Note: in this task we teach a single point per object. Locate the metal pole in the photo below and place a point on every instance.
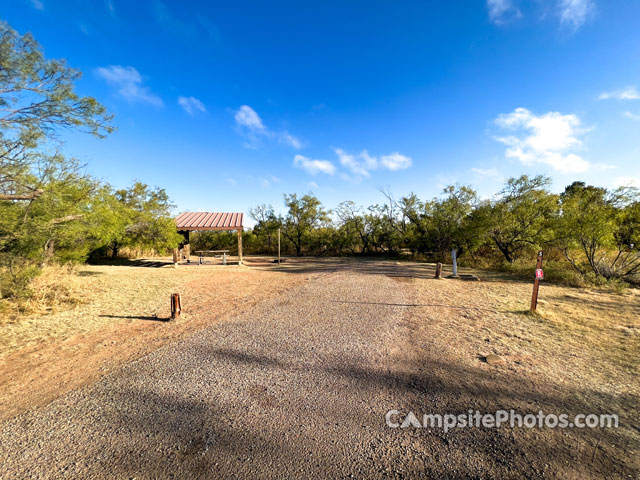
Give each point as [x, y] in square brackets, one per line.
[536, 284]
[454, 259]
[278, 246]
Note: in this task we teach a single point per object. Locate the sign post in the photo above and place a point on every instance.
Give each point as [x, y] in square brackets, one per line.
[536, 282]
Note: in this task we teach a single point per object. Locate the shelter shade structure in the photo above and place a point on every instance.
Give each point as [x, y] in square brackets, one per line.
[191, 221]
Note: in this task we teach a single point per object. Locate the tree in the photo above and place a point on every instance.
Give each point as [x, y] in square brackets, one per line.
[522, 216]
[146, 219]
[37, 99]
[604, 226]
[45, 200]
[303, 215]
[267, 223]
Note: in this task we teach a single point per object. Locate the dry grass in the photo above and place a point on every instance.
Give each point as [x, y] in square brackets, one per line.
[579, 354]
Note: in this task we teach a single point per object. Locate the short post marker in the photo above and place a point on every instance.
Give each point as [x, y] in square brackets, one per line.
[438, 270]
[176, 306]
[536, 283]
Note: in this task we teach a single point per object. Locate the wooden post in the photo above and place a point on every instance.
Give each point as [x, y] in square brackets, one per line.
[438, 270]
[240, 247]
[278, 246]
[176, 306]
[175, 257]
[536, 284]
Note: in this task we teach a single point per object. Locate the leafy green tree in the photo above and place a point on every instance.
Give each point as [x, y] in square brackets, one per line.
[267, 224]
[521, 217]
[37, 99]
[146, 215]
[604, 226]
[303, 216]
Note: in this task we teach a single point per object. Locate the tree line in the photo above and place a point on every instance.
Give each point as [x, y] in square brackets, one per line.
[594, 231]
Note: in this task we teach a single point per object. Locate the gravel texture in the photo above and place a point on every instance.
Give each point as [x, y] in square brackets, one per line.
[297, 387]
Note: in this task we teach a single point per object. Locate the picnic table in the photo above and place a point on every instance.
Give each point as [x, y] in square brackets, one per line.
[214, 253]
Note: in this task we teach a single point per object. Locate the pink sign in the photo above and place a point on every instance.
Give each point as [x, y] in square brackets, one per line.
[539, 273]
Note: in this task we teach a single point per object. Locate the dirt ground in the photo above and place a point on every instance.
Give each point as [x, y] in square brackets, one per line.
[353, 336]
[122, 316]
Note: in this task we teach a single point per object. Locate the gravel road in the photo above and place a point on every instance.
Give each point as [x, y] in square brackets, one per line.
[297, 387]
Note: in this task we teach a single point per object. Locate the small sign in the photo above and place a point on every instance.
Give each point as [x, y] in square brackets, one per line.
[539, 274]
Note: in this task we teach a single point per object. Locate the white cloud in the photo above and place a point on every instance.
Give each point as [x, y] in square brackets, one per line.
[633, 116]
[128, 81]
[313, 185]
[231, 181]
[576, 12]
[547, 139]
[191, 105]
[627, 93]
[247, 117]
[252, 126]
[314, 166]
[490, 172]
[37, 4]
[362, 164]
[395, 161]
[501, 11]
[359, 165]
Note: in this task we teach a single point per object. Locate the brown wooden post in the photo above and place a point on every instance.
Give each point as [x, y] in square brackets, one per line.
[240, 247]
[176, 306]
[536, 284]
[438, 270]
[278, 246]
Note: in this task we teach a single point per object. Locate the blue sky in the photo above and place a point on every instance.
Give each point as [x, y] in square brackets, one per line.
[231, 104]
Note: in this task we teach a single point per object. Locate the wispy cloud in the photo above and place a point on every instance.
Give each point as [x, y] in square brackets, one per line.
[490, 172]
[632, 116]
[575, 13]
[362, 164]
[551, 139]
[626, 93]
[231, 182]
[395, 161]
[253, 128]
[502, 11]
[37, 4]
[191, 105]
[626, 182]
[128, 82]
[288, 139]
[313, 166]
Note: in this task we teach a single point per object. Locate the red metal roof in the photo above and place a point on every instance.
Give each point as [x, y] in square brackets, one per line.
[209, 221]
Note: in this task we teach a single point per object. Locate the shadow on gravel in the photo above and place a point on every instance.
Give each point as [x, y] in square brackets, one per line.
[445, 388]
[399, 270]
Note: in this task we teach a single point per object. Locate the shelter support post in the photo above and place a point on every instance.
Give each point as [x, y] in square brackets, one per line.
[239, 247]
